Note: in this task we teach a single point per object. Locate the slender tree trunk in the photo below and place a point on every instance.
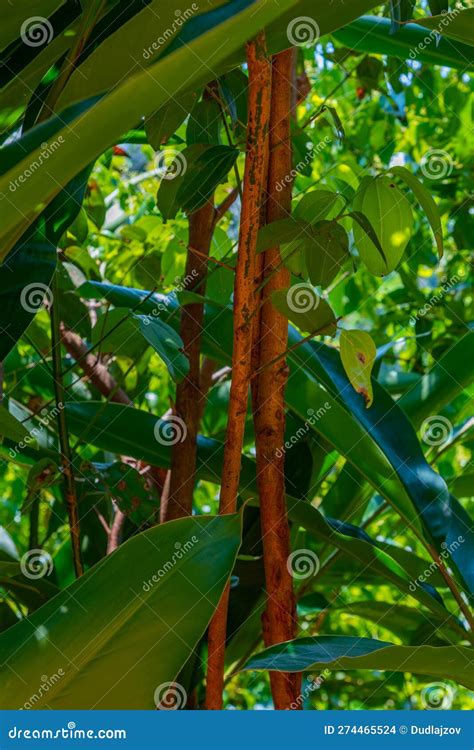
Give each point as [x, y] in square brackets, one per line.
[244, 305]
[64, 447]
[179, 501]
[279, 619]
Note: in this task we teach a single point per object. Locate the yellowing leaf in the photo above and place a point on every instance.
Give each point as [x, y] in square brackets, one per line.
[358, 355]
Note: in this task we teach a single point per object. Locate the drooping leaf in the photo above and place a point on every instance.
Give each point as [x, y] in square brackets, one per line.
[166, 343]
[358, 353]
[305, 309]
[326, 253]
[426, 202]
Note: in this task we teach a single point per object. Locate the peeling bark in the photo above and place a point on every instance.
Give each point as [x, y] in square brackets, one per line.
[244, 305]
[279, 619]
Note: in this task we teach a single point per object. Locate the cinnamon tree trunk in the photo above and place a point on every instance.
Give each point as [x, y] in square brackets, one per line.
[271, 341]
[244, 304]
[179, 499]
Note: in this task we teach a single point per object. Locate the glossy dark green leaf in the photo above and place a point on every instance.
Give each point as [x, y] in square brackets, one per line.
[347, 652]
[149, 602]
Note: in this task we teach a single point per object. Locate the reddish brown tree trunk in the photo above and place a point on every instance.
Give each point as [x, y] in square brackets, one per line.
[179, 501]
[244, 305]
[279, 619]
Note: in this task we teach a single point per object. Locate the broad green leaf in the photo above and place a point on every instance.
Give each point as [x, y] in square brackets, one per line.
[426, 201]
[193, 176]
[458, 24]
[162, 124]
[281, 232]
[348, 652]
[390, 215]
[129, 624]
[316, 205]
[166, 342]
[326, 253]
[305, 309]
[372, 34]
[132, 432]
[358, 353]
